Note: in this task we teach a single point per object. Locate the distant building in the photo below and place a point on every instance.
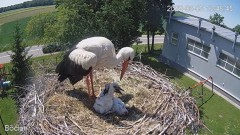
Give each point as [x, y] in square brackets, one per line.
[203, 49]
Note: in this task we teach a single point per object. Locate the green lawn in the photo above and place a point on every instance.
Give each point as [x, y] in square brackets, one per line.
[6, 33]
[8, 113]
[17, 14]
[21, 16]
[218, 115]
[8, 107]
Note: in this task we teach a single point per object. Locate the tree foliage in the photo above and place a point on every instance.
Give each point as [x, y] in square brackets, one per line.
[20, 60]
[237, 28]
[117, 20]
[120, 21]
[156, 12]
[216, 19]
[114, 19]
[39, 24]
[75, 20]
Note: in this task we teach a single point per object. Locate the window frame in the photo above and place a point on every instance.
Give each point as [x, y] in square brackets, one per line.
[174, 38]
[225, 59]
[198, 48]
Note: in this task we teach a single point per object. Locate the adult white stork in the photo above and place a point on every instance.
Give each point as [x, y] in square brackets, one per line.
[90, 54]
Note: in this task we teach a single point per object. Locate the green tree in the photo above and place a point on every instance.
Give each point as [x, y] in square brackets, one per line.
[216, 19]
[116, 20]
[37, 26]
[120, 21]
[20, 61]
[237, 28]
[156, 13]
[76, 20]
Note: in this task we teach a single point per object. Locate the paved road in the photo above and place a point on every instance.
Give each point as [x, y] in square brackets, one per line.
[157, 39]
[36, 51]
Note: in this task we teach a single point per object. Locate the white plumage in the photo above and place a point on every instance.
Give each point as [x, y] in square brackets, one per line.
[119, 107]
[90, 54]
[83, 58]
[106, 102]
[104, 51]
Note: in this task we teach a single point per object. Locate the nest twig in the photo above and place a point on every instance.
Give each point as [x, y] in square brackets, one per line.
[155, 104]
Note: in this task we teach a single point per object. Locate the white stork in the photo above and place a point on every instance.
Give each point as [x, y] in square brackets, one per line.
[119, 106]
[90, 54]
[104, 103]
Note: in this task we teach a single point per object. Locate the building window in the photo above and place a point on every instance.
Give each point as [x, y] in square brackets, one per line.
[198, 48]
[229, 64]
[174, 39]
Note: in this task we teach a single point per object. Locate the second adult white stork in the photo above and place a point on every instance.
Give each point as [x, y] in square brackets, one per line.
[90, 54]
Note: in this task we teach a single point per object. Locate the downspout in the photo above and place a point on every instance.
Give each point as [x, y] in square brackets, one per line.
[170, 15]
[199, 24]
[213, 30]
[235, 40]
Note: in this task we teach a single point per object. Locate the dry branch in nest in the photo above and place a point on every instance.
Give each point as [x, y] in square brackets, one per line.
[155, 105]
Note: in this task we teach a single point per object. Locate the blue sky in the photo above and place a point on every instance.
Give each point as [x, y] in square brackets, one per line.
[230, 9]
[5, 3]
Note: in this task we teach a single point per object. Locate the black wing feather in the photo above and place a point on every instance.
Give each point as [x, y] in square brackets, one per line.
[68, 69]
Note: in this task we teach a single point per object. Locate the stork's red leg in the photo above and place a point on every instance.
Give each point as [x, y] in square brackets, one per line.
[88, 87]
[91, 78]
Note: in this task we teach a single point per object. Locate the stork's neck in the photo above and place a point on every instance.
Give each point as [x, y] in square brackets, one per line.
[119, 58]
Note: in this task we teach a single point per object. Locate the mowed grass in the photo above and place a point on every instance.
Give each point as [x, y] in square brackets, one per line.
[7, 30]
[8, 107]
[219, 116]
[8, 21]
[8, 113]
[17, 14]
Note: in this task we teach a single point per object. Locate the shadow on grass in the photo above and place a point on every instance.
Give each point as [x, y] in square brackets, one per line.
[3, 94]
[133, 115]
[151, 59]
[3, 125]
[9, 92]
[202, 109]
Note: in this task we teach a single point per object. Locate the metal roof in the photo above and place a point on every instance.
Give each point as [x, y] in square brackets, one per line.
[206, 25]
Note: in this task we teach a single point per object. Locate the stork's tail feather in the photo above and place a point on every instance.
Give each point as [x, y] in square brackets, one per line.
[62, 78]
[68, 69]
[62, 75]
[74, 79]
[61, 71]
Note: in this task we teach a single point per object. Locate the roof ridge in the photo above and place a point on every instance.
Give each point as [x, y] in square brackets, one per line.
[226, 27]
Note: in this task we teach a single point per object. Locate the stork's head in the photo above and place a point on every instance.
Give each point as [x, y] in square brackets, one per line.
[116, 87]
[127, 54]
[110, 88]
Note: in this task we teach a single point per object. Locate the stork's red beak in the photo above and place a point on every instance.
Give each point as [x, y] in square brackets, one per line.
[124, 68]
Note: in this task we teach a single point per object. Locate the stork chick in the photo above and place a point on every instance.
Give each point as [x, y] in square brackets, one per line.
[105, 101]
[119, 107]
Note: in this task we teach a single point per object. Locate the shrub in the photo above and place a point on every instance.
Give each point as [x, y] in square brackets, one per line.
[53, 47]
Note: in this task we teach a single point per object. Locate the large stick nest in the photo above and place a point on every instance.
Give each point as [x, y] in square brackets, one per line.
[155, 105]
